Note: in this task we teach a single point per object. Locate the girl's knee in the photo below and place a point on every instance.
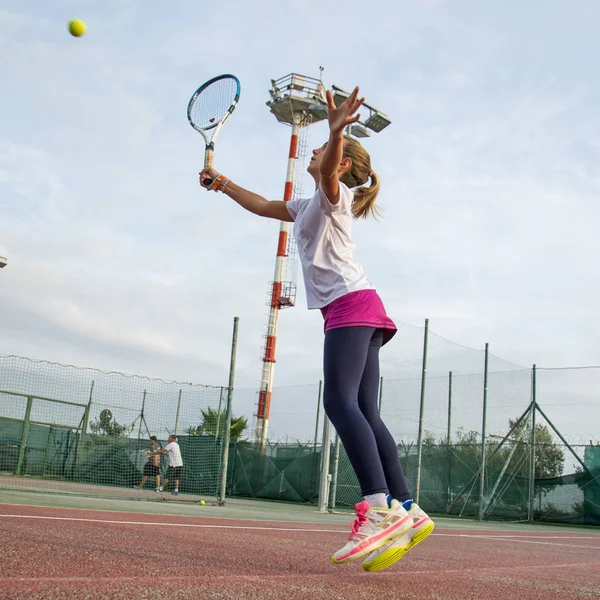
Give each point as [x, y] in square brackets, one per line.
[338, 405]
[332, 405]
[373, 418]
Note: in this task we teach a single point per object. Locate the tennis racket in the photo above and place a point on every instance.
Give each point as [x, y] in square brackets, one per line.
[209, 107]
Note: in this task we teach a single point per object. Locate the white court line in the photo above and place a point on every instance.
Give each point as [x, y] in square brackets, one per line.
[255, 527]
[159, 524]
[520, 541]
[261, 577]
[190, 516]
[541, 536]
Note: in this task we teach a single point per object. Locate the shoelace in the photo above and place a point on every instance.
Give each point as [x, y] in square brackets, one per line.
[361, 518]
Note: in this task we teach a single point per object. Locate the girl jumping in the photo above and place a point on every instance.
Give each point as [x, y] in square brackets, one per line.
[388, 522]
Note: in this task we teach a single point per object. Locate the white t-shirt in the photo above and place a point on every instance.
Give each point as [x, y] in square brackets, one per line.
[323, 233]
[174, 454]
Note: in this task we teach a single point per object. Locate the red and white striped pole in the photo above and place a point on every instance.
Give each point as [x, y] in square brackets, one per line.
[266, 382]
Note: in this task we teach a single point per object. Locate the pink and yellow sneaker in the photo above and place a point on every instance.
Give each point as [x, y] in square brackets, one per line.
[387, 554]
[372, 528]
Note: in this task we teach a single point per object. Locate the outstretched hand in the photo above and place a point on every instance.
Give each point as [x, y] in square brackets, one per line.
[343, 115]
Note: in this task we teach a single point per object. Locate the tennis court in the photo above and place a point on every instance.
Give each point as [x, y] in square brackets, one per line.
[64, 547]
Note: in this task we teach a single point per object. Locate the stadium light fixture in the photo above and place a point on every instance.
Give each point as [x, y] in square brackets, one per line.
[3, 262]
[339, 95]
[376, 121]
[359, 131]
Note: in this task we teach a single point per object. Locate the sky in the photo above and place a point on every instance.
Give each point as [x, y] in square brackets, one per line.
[490, 182]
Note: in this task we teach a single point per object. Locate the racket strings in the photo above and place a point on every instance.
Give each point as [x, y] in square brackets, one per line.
[213, 103]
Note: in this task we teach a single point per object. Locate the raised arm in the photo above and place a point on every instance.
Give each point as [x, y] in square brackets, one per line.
[272, 209]
[339, 118]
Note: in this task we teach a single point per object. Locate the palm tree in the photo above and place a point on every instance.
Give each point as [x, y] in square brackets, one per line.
[213, 423]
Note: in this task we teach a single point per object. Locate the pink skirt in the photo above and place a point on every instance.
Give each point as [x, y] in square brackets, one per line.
[359, 309]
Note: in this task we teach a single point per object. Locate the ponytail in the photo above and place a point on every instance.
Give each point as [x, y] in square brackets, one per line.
[364, 205]
[357, 178]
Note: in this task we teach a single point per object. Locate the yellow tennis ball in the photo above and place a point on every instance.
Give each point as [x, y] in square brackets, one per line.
[202, 503]
[76, 28]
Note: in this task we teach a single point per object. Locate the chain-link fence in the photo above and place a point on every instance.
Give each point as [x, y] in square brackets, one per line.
[477, 436]
[500, 442]
[63, 426]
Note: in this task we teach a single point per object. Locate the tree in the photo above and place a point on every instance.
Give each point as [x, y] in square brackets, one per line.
[213, 423]
[429, 439]
[108, 427]
[467, 442]
[549, 457]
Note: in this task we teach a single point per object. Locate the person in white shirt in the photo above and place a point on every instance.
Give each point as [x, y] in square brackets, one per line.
[173, 451]
[388, 522]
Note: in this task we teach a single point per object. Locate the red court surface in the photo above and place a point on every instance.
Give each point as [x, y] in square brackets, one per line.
[50, 553]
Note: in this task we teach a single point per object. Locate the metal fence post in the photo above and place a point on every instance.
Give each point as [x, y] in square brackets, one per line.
[325, 477]
[421, 412]
[449, 440]
[24, 435]
[483, 438]
[226, 433]
[84, 426]
[142, 415]
[334, 477]
[86, 414]
[532, 447]
[177, 413]
[449, 429]
[318, 412]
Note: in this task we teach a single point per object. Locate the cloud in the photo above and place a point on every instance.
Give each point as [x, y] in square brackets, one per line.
[489, 184]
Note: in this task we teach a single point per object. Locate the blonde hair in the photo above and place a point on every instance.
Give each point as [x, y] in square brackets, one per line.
[357, 176]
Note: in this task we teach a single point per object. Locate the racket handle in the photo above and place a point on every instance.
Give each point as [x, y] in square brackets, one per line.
[208, 156]
[208, 162]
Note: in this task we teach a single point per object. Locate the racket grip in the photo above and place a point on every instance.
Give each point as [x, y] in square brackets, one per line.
[208, 156]
[208, 161]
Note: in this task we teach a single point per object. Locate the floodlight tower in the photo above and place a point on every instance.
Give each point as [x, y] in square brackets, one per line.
[298, 101]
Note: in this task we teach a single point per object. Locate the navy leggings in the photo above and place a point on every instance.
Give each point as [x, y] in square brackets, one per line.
[350, 399]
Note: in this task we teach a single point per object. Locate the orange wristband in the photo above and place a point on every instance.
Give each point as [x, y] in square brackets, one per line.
[218, 182]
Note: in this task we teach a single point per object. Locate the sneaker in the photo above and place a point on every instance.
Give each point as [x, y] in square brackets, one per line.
[174, 493]
[372, 528]
[386, 555]
[137, 487]
[158, 490]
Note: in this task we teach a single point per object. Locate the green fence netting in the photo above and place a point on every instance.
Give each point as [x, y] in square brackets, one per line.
[279, 472]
